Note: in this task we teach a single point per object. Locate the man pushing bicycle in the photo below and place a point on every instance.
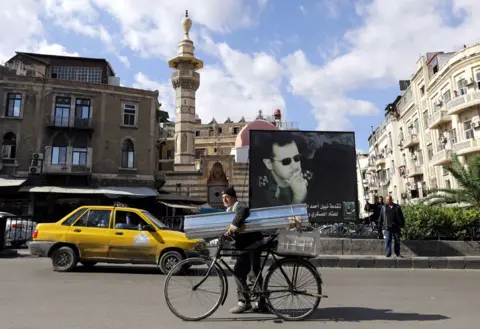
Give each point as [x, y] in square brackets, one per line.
[249, 255]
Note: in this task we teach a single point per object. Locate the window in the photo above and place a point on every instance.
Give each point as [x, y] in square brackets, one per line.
[425, 119]
[447, 96]
[95, 218]
[220, 130]
[478, 79]
[448, 186]
[430, 151]
[236, 130]
[127, 220]
[82, 111]
[80, 152]
[169, 154]
[14, 103]
[128, 154]
[129, 114]
[462, 86]
[416, 127]
[70, 220]
[422, 90]
[197, 133]
[419, 157]
[85, 74]
[467, 127]
[59, 150]
[62, 111]
[9, 146]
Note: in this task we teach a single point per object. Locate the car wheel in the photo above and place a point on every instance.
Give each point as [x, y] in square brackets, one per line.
[88, 264]
[169, 260]
[64, 259]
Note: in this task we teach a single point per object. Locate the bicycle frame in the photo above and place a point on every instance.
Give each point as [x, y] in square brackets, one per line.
[268, 247]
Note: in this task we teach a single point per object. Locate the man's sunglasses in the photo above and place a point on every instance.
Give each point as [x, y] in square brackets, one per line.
[288, 161]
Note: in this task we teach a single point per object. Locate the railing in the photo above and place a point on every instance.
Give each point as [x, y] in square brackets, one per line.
[70, 122]
[437, 117]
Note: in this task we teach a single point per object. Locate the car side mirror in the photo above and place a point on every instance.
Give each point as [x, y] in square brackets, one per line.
[149, 228]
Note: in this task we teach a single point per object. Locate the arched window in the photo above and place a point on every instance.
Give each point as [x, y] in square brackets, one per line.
[9, 146]
[128, 154]
[59, 150]
[80, 151]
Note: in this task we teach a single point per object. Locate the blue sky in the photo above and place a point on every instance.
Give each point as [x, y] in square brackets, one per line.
[327, 64]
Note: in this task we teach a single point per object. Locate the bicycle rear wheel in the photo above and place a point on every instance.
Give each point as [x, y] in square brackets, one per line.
[212, 288]
[306, 288]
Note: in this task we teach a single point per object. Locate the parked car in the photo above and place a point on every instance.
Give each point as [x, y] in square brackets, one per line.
[112, 234]
[18, 229]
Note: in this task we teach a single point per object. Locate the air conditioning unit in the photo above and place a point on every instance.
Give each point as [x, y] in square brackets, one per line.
[443, 140]
[35, 170]
[438, 102]
[414, 157]
[37, 156]
[475, 124]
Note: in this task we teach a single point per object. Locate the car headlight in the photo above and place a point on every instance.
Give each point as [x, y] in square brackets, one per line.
[200, 246]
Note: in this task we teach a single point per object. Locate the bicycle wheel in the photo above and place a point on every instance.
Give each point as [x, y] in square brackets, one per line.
[306, 285]
[212, 285]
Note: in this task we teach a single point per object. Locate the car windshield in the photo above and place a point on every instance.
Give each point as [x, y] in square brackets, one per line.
[154, 220]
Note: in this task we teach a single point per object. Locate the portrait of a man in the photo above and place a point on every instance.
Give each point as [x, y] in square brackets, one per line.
[292, 167]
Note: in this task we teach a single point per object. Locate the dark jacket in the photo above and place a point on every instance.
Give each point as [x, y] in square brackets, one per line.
[391, 217]
[243, 240]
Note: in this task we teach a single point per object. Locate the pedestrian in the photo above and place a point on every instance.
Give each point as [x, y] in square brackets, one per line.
[392, 221]
[249, 253]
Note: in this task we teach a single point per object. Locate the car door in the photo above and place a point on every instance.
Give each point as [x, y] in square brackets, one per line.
[91, 233]
[130, 241]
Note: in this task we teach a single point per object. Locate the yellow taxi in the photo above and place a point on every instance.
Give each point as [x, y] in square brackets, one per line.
[112, 234]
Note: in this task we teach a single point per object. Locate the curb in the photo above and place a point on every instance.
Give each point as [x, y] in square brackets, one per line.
[462, 262]
[9, 253]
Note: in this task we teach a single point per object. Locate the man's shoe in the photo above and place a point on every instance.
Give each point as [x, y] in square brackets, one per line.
[260, 308]
[241, 308]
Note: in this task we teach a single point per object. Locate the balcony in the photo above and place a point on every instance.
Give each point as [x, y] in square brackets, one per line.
[415, 171]
[76, 162]
[410, 140]
[441, 158]
[463, 102]
[70, 123]
[467, 146]
[380, 160]
[438, 118]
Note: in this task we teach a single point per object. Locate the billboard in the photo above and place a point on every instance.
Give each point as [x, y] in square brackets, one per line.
[313, 167]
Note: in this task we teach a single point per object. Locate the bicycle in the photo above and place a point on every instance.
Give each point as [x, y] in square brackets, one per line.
[214, 270]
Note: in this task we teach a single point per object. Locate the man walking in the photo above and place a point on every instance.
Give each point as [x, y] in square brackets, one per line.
[249, 257]
[392, 221]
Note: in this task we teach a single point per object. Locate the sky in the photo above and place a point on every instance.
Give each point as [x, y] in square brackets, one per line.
[326, 64]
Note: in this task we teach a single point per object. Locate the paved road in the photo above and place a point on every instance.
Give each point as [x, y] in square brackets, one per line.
[33, 296]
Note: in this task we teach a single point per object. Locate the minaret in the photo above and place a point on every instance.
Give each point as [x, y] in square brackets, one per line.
[185, 81]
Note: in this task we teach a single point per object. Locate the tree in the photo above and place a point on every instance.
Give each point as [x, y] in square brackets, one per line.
[468, 179]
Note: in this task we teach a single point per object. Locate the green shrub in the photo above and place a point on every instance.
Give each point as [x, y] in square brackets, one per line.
[423, 222]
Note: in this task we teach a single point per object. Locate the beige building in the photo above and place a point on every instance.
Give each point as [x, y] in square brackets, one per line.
[68, 128]
[437, 114]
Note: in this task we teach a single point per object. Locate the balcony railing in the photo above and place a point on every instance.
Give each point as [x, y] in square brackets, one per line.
[410, 140]
[467, 146]
[72, 122]
[462, 102]
[380, 161]
[82, 164]
[415, 170]
[438, 118]
[442, 157]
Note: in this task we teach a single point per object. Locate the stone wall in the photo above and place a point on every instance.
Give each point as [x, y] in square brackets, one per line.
[409, 248]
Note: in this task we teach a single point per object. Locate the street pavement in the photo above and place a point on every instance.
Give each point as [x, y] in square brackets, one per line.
[33, 296]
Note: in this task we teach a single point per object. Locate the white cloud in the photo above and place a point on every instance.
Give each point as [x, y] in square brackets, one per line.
[302, 9]
[152, 28]
[46, 48]
[240, 86]
[124, 60]
[381, 51]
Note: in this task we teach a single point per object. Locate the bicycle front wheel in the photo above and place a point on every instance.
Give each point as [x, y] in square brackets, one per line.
[198, 293]
[293, 288]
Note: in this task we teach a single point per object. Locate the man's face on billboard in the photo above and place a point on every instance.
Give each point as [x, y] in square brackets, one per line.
[285, 161]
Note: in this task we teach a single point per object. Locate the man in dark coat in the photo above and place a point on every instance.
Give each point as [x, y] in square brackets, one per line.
[249, 257]
[392, 221]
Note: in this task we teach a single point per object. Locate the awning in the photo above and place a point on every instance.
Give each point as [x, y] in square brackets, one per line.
[11, 182]
[112, 190]
[180, 205]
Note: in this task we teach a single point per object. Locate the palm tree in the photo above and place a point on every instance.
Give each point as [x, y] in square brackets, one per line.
[468, 179]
